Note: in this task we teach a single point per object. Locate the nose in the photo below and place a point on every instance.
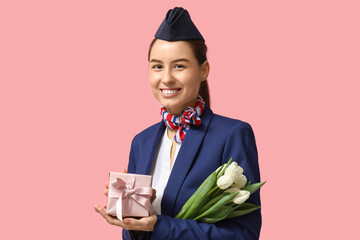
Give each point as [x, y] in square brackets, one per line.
[167, 77]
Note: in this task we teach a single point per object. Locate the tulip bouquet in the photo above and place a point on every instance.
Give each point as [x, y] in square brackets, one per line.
[221, 196]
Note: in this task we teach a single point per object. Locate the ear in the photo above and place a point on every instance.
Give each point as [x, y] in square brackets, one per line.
[205, 69]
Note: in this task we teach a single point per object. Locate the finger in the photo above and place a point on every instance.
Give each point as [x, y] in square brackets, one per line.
[106, 192]
[107, 185]
[143, 224]
[108, 218]
[128, 221]
[105, 205]
[133, 224]
[153, 196]
[99, 209]
[124, 171]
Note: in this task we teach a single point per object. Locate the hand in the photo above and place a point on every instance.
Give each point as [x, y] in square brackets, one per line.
[143, 224]
[106, 192]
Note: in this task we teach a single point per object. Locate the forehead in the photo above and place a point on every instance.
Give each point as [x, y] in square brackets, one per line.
[171, 49]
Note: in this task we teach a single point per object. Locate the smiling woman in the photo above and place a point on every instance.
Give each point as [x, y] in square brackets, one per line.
[175, 75]
[190, 141]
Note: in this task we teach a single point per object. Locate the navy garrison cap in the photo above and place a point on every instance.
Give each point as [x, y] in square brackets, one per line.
[178, 26]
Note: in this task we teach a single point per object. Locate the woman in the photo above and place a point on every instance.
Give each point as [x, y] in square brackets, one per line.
[181, 155]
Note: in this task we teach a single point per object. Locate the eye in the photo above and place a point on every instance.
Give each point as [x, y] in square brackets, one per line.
[157, 67]
[179, 66]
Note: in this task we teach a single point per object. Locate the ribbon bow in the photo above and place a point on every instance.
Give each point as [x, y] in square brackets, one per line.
[127, 193]
[190, 116]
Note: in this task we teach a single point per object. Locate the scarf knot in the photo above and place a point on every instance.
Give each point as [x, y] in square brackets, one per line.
[190, 116]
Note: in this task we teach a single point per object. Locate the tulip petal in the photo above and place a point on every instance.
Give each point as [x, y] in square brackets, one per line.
[239, 171]
[241, 197]
[224, 181]
[232, 169]
[232, 190]
[241, 181]
[225, 166]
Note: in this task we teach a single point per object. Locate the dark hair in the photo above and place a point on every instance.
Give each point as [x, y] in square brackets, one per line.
[199, 49]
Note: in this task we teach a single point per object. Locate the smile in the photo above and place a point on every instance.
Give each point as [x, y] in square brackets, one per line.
[170, 92]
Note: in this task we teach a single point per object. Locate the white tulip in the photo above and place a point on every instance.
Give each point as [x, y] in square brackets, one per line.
[240, 182]
[239, 171]
[225, 181]
[232, 190]
[232, 169]
[241, 197]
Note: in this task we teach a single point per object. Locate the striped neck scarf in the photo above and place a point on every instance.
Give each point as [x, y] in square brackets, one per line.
[191, 115]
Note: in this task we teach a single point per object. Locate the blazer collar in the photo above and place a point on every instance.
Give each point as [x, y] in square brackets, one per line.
[184, 160]
[149, 149]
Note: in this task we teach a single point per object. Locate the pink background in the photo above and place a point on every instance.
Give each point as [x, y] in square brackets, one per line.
[74, 92]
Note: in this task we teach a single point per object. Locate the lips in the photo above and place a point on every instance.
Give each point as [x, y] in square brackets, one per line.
[170, 91]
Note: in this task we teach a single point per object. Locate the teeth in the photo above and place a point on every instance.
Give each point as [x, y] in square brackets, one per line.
[169, 91]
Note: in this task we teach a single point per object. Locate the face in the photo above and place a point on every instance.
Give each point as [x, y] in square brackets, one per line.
[175, 75]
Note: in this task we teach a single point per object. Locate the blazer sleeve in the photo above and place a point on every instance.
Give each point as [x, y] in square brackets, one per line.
[132, 157]
[240, 145]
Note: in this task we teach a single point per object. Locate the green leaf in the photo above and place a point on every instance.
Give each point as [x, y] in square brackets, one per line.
[212, 202]
[243, 209]
[222, 211]
[190, 201]
[210, 220]
[219, 169]
[217, 215]
[244, 206]
[201, 197]
[224, 168]
[214, 191]
[223, 201]
[253, 187]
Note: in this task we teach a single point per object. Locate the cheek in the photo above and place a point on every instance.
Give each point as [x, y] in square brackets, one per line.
[193, 83]
[153, 81]
[154, 84]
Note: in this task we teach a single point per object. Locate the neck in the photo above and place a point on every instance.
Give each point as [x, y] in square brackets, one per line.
[179, 112]
[171, 133]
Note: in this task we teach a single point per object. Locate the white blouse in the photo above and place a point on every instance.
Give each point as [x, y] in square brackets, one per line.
[161, 168]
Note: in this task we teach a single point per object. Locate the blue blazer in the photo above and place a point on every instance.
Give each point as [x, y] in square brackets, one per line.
[204, 149]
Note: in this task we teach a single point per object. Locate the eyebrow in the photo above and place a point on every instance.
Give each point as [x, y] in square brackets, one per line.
[176, 60]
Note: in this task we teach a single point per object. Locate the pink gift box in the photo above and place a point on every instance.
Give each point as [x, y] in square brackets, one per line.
[135, 191]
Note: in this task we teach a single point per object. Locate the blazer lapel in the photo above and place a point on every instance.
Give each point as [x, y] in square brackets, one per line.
[149, 150]
[183, 162]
